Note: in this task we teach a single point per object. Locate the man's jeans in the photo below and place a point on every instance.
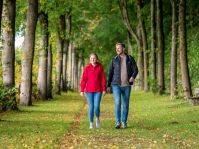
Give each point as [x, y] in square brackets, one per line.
[121, 96]
[93, 99]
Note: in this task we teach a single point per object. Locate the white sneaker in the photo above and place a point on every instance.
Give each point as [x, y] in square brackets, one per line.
[91, 125]
[97, 123]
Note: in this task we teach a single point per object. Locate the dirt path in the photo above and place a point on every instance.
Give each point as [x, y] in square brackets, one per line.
[69, 138]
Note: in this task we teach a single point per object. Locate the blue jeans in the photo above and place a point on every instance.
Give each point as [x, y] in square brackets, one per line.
[121, 97]
[93, 99]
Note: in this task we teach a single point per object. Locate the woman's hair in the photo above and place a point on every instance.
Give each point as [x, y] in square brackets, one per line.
[94, 55]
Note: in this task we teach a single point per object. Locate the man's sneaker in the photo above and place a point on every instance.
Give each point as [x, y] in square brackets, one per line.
[97, 123]
[91, 125]
[117, 126]
[124, 125]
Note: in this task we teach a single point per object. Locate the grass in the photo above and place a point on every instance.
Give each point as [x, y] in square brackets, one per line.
[41, 125]
[154, 122]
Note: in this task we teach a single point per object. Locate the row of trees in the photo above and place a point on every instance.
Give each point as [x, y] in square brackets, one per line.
[65, 51]
[59, 35]
[178, 32]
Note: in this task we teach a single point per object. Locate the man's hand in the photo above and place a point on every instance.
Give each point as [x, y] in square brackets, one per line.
[108, 89]
[82, 93]
[131, 80]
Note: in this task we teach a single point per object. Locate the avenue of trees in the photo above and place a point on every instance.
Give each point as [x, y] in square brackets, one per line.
[60, 34]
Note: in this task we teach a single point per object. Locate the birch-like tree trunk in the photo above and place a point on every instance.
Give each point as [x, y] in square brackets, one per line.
[8, 37]
[173, 81]
[153, 45]
[42, 72]
[161, 81]
[183, 50]
[28, 53]
[49, 72]
[69, 65]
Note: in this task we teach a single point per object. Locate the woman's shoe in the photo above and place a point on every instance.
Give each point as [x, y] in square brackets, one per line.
[97, 123]
[91, 125]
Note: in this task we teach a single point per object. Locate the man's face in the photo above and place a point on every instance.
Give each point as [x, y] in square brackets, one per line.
[119, 49]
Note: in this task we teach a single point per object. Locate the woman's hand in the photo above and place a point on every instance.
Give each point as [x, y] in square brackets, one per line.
[82, 93]
[103, 93]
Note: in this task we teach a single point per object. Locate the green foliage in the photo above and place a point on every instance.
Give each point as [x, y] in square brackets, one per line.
[7, 98]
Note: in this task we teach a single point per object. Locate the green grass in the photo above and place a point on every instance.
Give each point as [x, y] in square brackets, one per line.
[42, 125]
[154, 122]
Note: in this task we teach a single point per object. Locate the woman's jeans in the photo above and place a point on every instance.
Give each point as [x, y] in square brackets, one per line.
[121, 97]
[93, 99]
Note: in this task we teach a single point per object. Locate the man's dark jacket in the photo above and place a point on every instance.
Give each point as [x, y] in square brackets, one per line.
[114, 74]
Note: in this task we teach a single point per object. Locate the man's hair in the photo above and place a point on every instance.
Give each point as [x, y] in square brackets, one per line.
[120, 43]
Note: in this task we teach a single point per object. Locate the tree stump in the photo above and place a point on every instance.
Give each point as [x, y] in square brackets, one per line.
[194, 100]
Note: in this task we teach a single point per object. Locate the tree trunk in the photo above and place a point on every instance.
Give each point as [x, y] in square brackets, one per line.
[183, 50]
[65, 53]
[173, 83]
[69, 65]
[42, 72]
[64, 74]
[145, 47]
[129, 41]
[153, 41]
[161, 81]
[73, 68]
[8, 37]
[59, 63]
[140, 59]
[1, 8]
[49, 73]
[28, 53]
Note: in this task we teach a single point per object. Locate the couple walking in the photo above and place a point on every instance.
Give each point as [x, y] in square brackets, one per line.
[122, 72]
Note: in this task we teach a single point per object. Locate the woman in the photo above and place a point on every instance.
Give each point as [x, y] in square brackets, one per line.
[93, 84]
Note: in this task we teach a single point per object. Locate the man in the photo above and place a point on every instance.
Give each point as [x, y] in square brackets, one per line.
[122, 73]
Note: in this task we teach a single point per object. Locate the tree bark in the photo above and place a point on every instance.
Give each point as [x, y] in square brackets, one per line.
[161, 81]
[153, 46]
[64, 74]
[49, 73]
[173, 81]
[28, 53]
[59, 63]
[69, 65]
[1, 8]
[140, 59]
[145, 47]
[42, 72]
[183, 50]
[129, 41]
[8, 37]
[65, 53]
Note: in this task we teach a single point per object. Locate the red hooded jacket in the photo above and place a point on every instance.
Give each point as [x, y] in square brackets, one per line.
[93, 79]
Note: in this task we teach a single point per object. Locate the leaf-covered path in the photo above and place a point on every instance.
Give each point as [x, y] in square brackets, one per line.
[154, 122]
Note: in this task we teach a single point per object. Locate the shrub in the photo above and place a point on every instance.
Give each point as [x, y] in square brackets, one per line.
[7, 98]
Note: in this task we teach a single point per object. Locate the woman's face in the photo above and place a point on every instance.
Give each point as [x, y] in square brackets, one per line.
[93, 59]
